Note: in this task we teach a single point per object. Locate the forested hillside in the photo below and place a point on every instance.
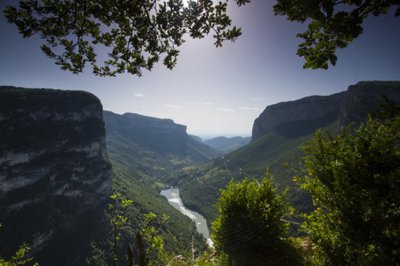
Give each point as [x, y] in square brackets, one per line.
[144, 151]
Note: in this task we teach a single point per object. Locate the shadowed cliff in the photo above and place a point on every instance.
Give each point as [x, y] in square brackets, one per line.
[54, 174]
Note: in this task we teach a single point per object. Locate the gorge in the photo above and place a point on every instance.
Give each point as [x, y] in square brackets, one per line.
[61, 156]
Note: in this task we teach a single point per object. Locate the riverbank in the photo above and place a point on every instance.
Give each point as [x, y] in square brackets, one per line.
[174, 199]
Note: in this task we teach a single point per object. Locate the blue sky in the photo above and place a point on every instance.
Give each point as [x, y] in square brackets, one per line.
[217, 91]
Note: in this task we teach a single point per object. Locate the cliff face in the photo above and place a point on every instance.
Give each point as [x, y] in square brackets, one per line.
[161, 135]
[364, 97]
[306, 111]
[312, 112]
[54, 174]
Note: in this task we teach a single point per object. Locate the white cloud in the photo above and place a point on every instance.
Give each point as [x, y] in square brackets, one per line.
[206, 103]
[173, 106]
[138, 94]
[250, 108]
[223, 109]
[258, 99]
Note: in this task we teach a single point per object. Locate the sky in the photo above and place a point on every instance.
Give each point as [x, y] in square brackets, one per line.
[216, 91]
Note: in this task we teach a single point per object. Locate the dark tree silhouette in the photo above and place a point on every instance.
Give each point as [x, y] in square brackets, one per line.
[332, 24]
[134, 35]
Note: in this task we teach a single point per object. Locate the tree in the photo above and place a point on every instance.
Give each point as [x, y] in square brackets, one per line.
[249, 227]
[118, 220]
[21, 257]
[332, 24]
[354, 181]
[135, 34]
[149, 243]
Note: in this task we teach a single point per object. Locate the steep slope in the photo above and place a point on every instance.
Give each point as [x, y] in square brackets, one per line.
[145, 193]
[225, 145]
[54, 174]
[278, 134]
[142, 164]
[364, 97]
[300, 115]
[159, 136]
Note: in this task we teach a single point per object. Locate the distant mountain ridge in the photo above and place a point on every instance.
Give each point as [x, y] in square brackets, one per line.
[225, 145]
[157, 135]
[161, 135]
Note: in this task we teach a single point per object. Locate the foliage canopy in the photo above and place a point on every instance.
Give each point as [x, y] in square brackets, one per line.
[137, 34]
[249, 227]
[354, 181]
[331, 25]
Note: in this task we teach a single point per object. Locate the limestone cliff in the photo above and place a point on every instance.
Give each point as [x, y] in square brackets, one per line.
[162, 136]
[54, 174]
[305, 115]
[364, 97]
[294, 114]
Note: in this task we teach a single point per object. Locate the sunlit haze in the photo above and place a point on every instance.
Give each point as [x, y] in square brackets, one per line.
[217, 91]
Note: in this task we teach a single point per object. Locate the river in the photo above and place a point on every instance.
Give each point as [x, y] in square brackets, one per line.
[174, 199]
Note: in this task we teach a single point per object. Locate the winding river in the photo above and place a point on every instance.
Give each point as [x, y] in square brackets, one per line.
[174, 199]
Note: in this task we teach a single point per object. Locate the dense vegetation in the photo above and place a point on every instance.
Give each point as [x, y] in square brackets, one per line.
[354, 181]
[250, 227]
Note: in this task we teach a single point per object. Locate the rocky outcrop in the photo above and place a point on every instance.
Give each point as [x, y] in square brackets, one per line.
[54, 174]
[287, 115]
[364, 97]
[305, 115]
